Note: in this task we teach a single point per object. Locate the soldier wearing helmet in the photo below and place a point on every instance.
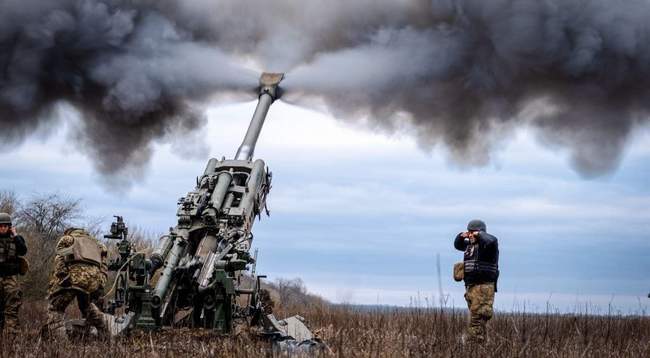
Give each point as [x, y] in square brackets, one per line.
[80, 272]
[480, 273]
[12, 263]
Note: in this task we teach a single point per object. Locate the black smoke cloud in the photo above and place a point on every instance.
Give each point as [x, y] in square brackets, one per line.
[457, 73]
[128, 68]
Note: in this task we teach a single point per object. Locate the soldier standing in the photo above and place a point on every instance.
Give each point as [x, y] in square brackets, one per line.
[80, 272]
[481, 271]
[12, 248]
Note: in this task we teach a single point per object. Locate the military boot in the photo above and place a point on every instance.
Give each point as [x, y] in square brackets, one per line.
[55, 327]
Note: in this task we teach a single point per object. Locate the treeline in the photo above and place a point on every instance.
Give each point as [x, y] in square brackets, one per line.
[291, 295]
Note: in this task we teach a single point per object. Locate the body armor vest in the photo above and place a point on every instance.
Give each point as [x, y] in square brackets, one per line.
[476, 269]
[84, 250]
[8, 257]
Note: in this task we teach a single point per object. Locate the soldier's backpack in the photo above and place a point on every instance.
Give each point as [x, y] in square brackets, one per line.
[459, 271]
[85, 249]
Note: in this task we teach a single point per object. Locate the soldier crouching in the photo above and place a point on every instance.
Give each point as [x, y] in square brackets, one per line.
[80, 272]
[480, 273]
[12, 248]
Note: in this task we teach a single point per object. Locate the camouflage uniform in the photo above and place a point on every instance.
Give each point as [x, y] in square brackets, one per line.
[76, 279]
[10, 302]
[481, 272]
[11, 248]
[480, 299]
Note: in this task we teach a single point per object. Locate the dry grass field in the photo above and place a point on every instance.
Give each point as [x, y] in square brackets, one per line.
[349, 331]
[360, 332]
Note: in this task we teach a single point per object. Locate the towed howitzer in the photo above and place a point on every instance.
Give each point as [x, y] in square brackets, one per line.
[200, 265]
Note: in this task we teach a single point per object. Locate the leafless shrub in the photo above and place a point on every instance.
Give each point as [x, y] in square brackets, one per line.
[8, 202]
[293, 293]
[48, 215]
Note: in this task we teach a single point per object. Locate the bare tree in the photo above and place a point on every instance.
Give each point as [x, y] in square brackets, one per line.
[49, 215]
[8, 202]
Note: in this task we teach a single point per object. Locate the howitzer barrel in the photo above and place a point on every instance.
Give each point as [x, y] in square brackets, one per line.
[209, 168]
[269, 92]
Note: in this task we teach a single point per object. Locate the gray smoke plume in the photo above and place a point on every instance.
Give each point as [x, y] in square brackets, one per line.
[576, 70]
[126, 66]
[457, 73]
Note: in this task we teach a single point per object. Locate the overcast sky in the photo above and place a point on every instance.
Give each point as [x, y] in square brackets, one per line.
[360, 215]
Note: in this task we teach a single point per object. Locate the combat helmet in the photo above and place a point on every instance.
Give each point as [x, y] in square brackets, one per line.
[5, 219]
[72, 229]
[476, 225]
